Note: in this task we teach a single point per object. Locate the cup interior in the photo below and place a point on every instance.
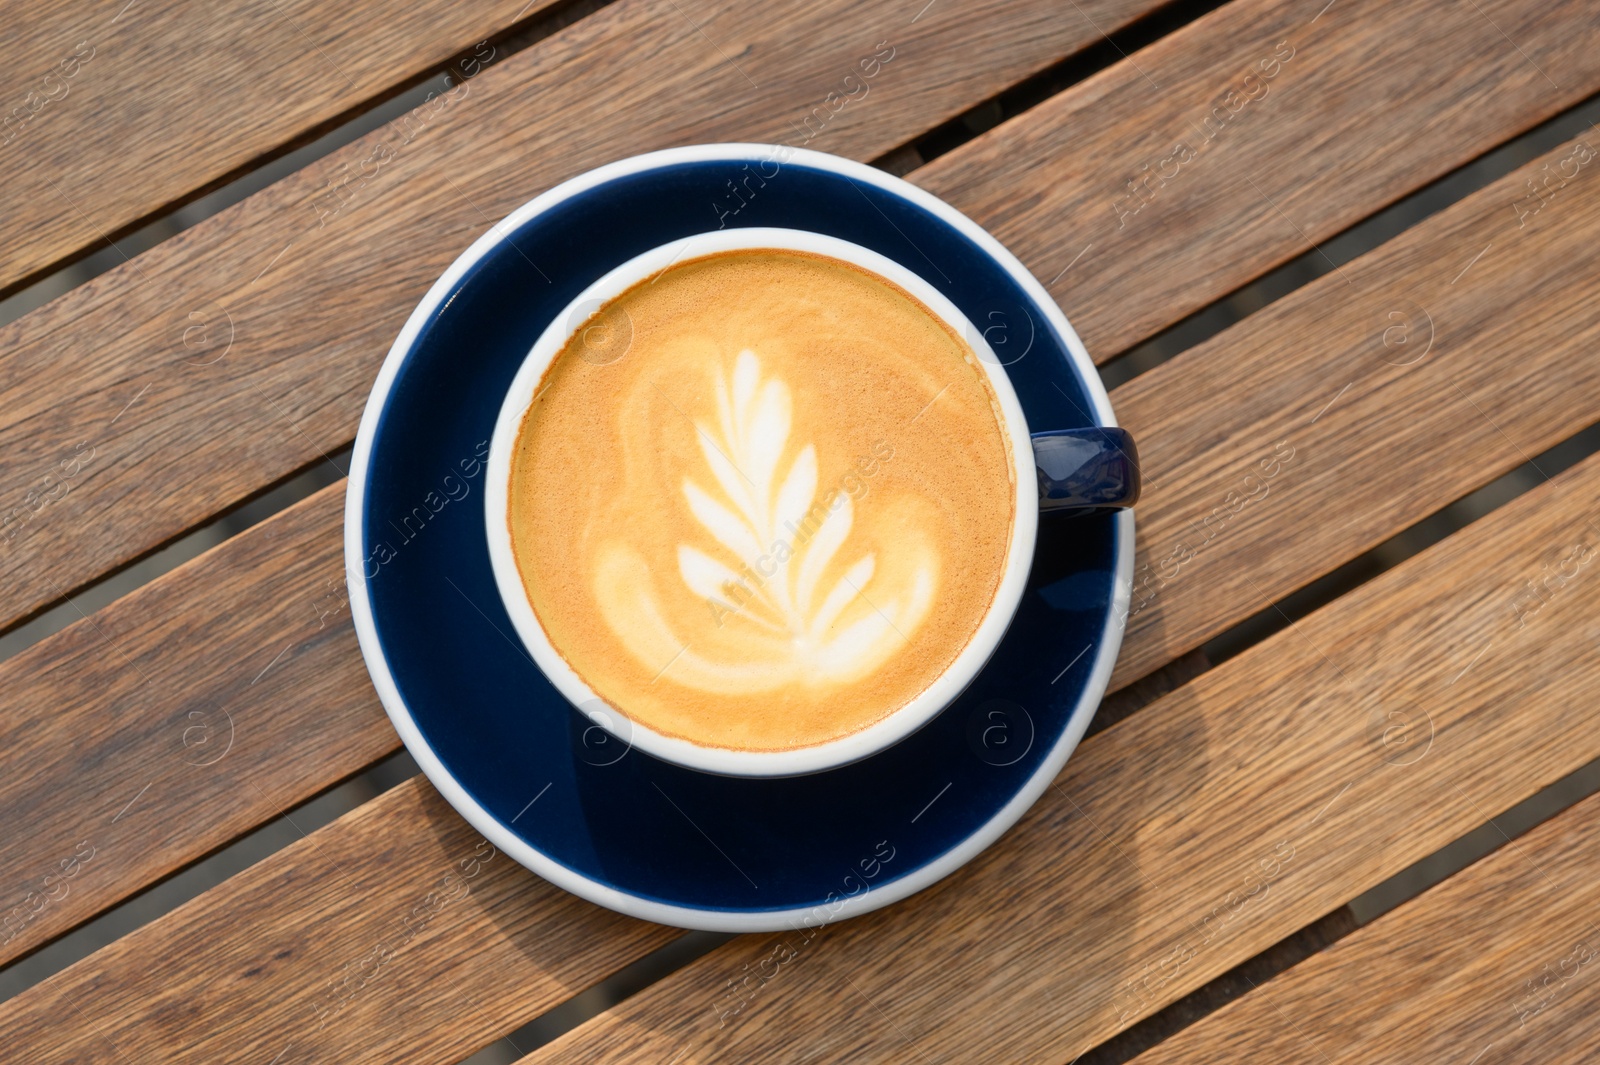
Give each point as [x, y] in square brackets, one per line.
[580, 314]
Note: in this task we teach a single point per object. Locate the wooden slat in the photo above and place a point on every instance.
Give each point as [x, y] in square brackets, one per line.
[246, 345]
[1400, 382]
[286, 394]
[257, 702]
[1183, 468]
[1195, 834]
[1233, 984]
[1367, 102]
[395, 935]
[179, 717]
[1497, 962]
[116, 109]
[214, 598]
[1197, 788]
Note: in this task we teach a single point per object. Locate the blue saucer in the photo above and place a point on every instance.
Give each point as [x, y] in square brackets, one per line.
[557, 793]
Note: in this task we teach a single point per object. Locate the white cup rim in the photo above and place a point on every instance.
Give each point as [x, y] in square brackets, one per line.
[846, 749]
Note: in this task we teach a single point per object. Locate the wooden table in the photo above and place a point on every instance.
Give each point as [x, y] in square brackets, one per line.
[1202, 844]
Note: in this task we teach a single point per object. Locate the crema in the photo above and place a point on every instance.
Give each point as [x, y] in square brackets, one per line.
[762, 500]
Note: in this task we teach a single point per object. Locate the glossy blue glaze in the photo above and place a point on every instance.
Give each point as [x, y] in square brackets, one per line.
[1086, 469]
[645, 828]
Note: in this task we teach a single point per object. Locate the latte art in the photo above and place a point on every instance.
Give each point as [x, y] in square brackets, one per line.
[775, 517]
[758, 558]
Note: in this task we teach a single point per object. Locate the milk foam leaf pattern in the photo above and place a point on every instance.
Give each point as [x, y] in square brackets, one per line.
[744, 451]
[705, 576]
[792, 596]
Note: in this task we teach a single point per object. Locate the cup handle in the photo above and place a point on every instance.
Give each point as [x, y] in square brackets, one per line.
[1086, 470]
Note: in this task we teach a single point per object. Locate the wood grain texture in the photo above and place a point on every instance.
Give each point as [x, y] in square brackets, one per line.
[1195, 834]
[1497, 962]
[1354, 407]
[246, 345]
[264, 673]
[1250, 380]
[263, 604]
[1214, 994]
[116, 110]
[1372, 430]
[1109, 880]
[394, 934]
[179, 717]
[1234, 144]
[1157, 819]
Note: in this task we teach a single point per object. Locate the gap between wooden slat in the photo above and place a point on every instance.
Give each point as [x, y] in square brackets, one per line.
[615, 988]
[139, 236]
[110, 243]
[145, 233]
[1402, 886]
[31, 295]
[941, 72]
[1408, 884]
[1173, 341]
[191, 545]
[1403, 545]
[1351, 244]
[1030, 92]
[313, 427]
[505, 161]
[194, 880]
[1491, 735]
[1488, 967]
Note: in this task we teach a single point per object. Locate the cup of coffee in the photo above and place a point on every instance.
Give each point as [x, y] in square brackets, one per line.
[763, 502]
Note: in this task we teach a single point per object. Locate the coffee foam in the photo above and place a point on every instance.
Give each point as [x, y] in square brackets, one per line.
[773, 511]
